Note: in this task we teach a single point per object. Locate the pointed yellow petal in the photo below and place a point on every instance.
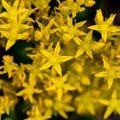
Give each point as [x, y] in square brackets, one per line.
[114, 29]
[77, 40]
[6, 5]
[94, 27]
[68, 87]
[45, 66]
[108, 112]
[101, 74]
[79, 53]
[59, 93]
[53, 87]
[58, 69]
[110, 20]
[57, 49]
[65, 58]
[118, 109]
[80, 24]
[4, 14]
[20, 93]
[110, 82]
[31, 98]
[114, 95]
[64, 28]
[106, 65]
[91, 109]
[98, 45]
[80, 33]
[40, 25]
[63, 114]
[69, 21]
[89, 36]
[89, 53]
[46, 53]
[15, 5]
[9, 44]
[25, 26]
[5, 26]
[104, 35]
[104, 102]
[64, 78]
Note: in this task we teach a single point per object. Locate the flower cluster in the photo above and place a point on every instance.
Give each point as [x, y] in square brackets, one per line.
[71, 70]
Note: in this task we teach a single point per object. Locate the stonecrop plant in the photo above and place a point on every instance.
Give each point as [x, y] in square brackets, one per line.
[71, 69]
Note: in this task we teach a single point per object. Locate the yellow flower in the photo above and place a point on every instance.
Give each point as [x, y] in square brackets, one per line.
[73, 7]
[63, 107]
[71, 31]
[35, 114]
[85, 103]
[45, 30]
[59, 85]
[113, 105]
[9, 66]
[42, 4]
[85, 46]
[29, 90]
[19, 76]
[54, 59]
[14, 29]
[104, 27]
[5, 104]
[111, 72]
[68, 6]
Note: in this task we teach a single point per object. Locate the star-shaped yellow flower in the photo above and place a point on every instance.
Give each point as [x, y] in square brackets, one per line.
[5, 104]
[85, 46]
[35, 114]
[104, 27]
[113, 105]
[111, 72]
[45, 30]
[14, 28]
[54, 59]
[85, 103]
[29, 90]
[71, 31]
[9, 66]
[59, 85]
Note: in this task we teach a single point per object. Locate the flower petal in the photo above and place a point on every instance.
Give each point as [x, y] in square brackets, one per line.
[45, 66]
[58, 69]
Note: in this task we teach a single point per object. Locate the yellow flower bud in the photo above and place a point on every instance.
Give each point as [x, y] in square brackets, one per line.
[66, 37]
[48, 103]
[89, 3]
[38, 35]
